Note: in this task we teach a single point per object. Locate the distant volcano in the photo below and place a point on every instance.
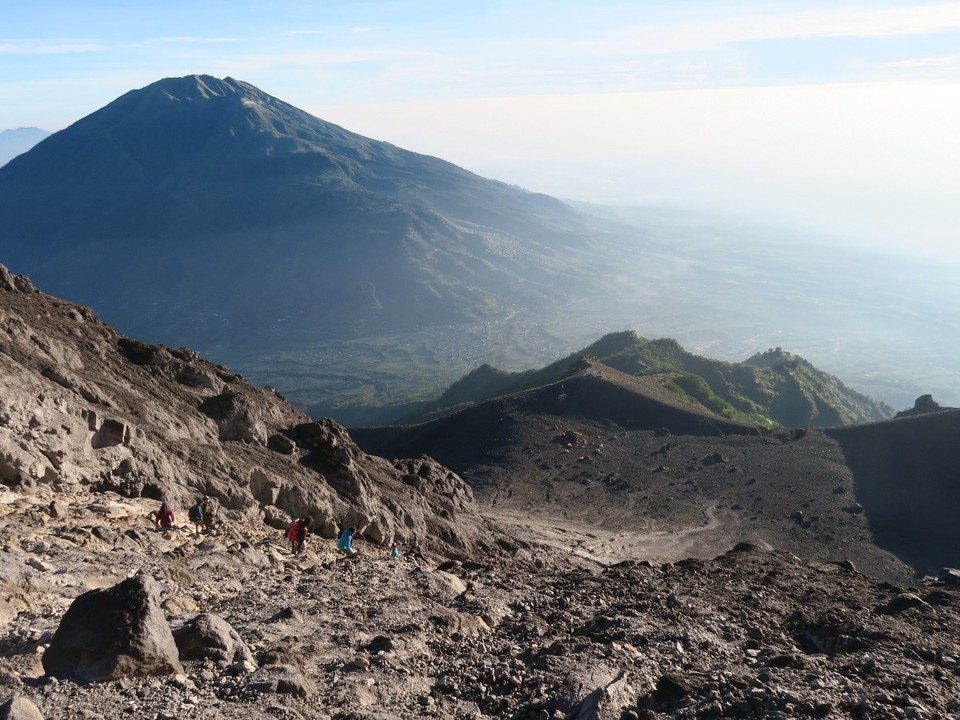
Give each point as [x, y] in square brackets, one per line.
[19, 140]
[204, 212]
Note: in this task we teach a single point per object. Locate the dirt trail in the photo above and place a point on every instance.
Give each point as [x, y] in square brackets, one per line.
[716, 535]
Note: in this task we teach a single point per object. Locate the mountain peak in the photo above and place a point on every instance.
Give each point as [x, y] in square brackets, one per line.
[200, 88]
[15, 141]
[206, 85]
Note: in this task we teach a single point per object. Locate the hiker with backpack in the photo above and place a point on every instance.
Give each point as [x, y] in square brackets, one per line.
[297, 534]
[196, 516]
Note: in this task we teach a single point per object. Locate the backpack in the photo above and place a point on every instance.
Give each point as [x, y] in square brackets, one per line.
[293, 531]
[196, 513]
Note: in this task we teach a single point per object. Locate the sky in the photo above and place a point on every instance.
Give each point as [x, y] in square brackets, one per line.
[836, 117]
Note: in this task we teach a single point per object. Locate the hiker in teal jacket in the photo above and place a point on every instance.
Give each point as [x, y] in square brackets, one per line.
[345, 543]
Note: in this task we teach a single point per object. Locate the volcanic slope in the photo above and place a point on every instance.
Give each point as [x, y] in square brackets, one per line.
[616, 467]
[748, 634]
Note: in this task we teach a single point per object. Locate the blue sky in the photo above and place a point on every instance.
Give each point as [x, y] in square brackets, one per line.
[836, 116]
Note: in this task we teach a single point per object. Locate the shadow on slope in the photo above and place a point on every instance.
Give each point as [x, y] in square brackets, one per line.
[906, 475]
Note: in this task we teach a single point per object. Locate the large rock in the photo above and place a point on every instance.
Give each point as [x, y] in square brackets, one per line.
[211, 637]
[237, 418]
[113, 633]
[921, 406]
[19, 708]
[281, 679]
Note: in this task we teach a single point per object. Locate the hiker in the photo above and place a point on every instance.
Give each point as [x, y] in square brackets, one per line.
[209, 514]
[195, 515]
[395, 551]
[345, 543]
[163, 518]
[297, 534]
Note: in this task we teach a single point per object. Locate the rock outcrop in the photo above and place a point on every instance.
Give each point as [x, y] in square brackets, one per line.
[922, 405]
[209, 636]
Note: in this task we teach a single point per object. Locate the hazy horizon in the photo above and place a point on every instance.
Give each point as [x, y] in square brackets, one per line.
[830, 117]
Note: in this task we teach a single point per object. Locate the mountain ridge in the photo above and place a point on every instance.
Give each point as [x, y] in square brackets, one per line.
[16, 141]
[767, 389]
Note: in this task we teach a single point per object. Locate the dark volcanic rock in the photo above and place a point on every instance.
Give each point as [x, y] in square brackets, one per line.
[923, 405]
[113, 633]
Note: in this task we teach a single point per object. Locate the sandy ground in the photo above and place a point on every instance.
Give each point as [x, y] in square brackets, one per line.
[716, 534]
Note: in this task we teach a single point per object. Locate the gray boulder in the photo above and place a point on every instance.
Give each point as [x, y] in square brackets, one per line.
[113, 633]
[211, 637]
[19, 708]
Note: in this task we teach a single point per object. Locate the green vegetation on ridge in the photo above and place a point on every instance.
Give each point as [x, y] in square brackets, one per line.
[773, 388]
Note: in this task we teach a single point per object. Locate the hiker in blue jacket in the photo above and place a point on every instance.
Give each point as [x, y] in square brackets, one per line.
[345, 543]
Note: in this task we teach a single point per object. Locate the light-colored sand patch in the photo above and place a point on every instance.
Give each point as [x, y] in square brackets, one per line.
[716, 534]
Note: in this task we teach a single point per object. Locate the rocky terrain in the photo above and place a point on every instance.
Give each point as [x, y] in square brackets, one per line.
[536, 634]
[692, 568]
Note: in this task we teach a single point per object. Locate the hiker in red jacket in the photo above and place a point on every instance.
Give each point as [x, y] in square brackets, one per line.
[163, 518]
[297, 534]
